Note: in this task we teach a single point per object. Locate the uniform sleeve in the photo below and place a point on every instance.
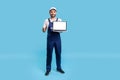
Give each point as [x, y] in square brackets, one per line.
[59, 19]
[45, 23]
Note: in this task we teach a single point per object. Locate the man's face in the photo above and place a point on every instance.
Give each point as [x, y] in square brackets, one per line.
[52, 13]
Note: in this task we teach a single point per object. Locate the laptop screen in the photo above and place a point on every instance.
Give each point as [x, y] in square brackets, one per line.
[60, 26]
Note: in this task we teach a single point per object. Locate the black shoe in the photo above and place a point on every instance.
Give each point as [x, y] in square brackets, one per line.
[47, 73]
[61, 71]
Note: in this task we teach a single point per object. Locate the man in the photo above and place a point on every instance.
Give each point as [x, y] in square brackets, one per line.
[53, 41]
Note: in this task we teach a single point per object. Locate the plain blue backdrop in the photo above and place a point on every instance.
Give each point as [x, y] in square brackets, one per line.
[90, 46]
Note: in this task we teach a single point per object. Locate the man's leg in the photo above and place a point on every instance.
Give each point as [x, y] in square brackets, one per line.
[50, 45]
[58, 55]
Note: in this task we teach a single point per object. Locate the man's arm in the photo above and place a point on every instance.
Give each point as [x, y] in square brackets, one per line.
[45, 26]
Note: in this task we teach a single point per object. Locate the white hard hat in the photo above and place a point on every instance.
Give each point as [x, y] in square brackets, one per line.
[52, 8]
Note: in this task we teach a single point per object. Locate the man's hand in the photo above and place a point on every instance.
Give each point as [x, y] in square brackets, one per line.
[44, 29]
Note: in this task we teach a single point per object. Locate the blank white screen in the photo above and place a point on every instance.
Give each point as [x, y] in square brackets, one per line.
[59, 25]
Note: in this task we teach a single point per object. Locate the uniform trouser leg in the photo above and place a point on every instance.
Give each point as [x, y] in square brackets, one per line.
[58, 53]
[50, 46]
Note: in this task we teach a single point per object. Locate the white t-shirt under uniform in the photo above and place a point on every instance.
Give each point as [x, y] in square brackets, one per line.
[46, 22]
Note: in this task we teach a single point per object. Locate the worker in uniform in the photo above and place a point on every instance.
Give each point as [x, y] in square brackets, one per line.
[53, 42]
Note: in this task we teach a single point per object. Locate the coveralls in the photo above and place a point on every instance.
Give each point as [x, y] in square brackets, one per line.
[53, 41]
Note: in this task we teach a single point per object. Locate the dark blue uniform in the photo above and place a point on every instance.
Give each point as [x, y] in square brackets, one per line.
[53, 41]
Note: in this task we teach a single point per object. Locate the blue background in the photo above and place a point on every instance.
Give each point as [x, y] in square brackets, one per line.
[90, 47]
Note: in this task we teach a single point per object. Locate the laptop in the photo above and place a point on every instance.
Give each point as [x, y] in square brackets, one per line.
[59, 26]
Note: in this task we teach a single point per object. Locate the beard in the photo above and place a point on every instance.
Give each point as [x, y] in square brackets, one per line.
[53, 15]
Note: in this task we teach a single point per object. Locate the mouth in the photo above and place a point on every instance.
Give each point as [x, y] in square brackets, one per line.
[53, 15]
